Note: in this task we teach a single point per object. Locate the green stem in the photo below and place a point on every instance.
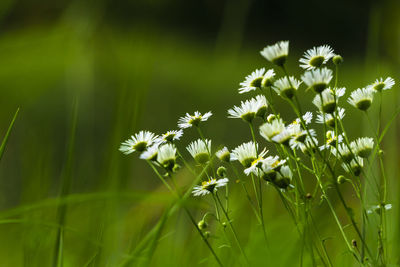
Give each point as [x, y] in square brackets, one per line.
[179, 198]
[383, 195]
[324, 195]
[259, 191]
[208, 151]
[185, 162]
[247, 193]
[232, 229]
[336, 76]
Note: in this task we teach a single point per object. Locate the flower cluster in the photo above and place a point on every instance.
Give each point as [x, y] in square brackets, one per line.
[313, 143]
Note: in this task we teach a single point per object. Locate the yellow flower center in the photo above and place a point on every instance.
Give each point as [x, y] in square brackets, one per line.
[256, 161]
[276, 163]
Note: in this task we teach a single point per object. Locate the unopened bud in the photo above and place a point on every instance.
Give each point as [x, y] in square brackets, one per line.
[337, 60]
[341, 179]
[271, 117]
[221, 171]
[207, 234]
[202, 224]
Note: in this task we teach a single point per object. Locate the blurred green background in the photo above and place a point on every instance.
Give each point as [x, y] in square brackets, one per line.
[116, 67]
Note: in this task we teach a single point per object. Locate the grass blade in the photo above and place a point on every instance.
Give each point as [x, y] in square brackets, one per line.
[65, 189]
[5, 139]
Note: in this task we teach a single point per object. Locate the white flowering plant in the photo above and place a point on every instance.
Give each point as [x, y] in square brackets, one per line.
[315, 144]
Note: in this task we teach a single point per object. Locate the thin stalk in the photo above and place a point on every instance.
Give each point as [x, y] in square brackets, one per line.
[321, 241]
[383, 195]
[232, 228]
[66, 182]
[179, 198]
[247, 194]
[253, 136]
[259, 191]
[209, 152]
[5, 139]
[324, 195]
[185, 162]
[336, 75]
[227, 198]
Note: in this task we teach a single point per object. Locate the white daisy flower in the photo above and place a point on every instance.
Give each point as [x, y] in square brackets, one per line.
[150, 153]
[363, 146]
[170, 136]
[283, 177]
[329, 99]
[361, 98]
[378, 208]
[200, 150]
[299, 136]
[252, 81]
[254, 167]
[138, 142]
[309, 145]
[270, 129]
[277, 53]
[307, 118]
[355, 166]
[339, 92]
[317, 79]
[209, 186]
[381, 84]
[269, 168]
[166, 156]
[262, 105]
[316, 57]
[331, 140]
[343, 153]
[262, 166]
[268, 79]
[193, 120]
[224, 154]
[296, 130]
[329, 119]
[248, 109]
[284, 136]
[246, 153]
[286, 87]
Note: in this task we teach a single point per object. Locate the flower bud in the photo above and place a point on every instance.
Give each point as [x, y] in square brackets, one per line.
[271, 117]
[341, 179]
[267, 82]
[337, 60]
[207, 234]
[202, 224]
[221, 171]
